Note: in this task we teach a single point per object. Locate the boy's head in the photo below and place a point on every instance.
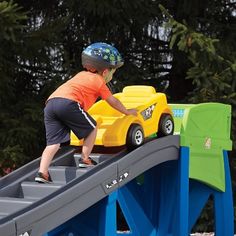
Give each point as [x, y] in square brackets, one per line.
[102, 58]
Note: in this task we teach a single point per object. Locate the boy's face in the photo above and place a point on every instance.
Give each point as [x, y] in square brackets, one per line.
[108, 75]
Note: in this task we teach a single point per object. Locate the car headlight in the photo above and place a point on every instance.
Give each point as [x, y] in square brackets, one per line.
[147, 113]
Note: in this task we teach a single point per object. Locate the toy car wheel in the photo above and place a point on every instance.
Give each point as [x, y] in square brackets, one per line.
[166, 125]
[135, 136]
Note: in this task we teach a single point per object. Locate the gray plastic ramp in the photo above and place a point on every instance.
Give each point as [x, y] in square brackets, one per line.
[8, 228]
[28, 171]
[154, 153]
[42, 207]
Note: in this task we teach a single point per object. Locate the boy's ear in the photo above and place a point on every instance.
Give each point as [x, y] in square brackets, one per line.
[104, 73]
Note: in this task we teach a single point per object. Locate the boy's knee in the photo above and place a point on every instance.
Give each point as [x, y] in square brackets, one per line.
[94, 130]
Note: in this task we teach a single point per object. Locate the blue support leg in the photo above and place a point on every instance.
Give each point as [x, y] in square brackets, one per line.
[199, 194]
[151, 202]
[223, 204]
[182, 222]
[168, 197]
[135, 215]
[107, 223]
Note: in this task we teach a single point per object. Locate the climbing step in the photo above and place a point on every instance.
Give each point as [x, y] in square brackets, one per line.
[9, 205]
[64, 174]
[98, 157]
[33, 190]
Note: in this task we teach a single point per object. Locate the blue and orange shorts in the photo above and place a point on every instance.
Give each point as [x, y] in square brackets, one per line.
[62, 115]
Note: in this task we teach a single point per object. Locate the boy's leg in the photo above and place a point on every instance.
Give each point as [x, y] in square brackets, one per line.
[88, 144]
[47, 156]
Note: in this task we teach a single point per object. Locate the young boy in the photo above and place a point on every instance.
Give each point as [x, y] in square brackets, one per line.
[66, 108]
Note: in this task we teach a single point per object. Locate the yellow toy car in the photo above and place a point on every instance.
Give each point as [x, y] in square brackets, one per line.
[117, 129]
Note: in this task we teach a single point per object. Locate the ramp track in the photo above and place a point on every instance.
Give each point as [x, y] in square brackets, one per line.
[27, 206]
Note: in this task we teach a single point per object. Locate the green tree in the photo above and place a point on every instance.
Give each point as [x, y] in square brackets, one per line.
[25, 68]
[215, 19]
[11, 19]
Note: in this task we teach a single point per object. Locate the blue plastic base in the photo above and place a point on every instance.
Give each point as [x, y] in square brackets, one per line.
[196, 195]
[147, 204]
[161, 202]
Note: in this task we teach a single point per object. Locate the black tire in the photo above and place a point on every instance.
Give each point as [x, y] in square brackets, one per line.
[135, 136]
[166, 126]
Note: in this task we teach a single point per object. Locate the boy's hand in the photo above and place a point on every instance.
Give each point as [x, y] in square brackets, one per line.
[118, 105]
[133, 112]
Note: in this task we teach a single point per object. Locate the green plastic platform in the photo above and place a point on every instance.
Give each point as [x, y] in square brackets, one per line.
[205, 129]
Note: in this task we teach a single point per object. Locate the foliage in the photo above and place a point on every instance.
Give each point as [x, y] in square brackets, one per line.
[24, 60]
[10, 18]
[10, 24]
[215, 19]
[206, 220]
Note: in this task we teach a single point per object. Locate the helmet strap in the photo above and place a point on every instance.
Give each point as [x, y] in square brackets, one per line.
[107, 74]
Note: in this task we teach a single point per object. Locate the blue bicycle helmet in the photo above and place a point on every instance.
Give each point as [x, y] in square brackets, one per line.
[100, 56]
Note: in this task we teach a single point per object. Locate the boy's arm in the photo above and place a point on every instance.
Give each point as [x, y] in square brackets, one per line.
[116, 104]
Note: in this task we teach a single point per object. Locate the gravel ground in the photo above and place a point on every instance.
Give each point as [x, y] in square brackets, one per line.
[193, 234]
[203, 234]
